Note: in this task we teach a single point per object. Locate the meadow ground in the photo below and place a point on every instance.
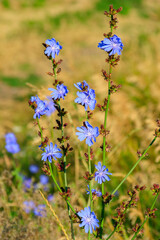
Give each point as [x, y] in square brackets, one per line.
[78, 26]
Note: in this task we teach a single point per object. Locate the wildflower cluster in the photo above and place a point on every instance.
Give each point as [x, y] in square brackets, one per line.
[55, 154]
[30, 186]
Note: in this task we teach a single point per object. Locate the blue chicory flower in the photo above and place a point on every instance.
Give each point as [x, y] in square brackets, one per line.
[86, 97]
[27, 182]
[88, 220]
[33, 168]
[50, 197]
[51, 152]
[82, 86]
[12, 148]
[44, 179]
[98, 193]
[53, 48]
[101, 174]
[41, 108]
[10, 138]
[94, 191]
[11, 143]
[50, 105]
[35, 99]
[87, 132]
[112, 45]
[60, 92]
[40, 210]
[28, 206]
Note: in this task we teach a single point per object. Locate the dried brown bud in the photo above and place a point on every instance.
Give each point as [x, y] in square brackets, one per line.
[59, 70]
[46, 169]
[104, 132]
[155, 189]
[50, 74]
[107, 197]
[88, 176]
[158, 122]
[119, 9]
[66, 194]
[157, 132]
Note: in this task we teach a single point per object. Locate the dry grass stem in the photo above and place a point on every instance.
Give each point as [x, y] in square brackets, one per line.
[54, 214]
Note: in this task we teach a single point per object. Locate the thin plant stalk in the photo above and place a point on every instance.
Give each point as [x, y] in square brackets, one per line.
[89, 235]
[135, 235]
[90, 185]
[64, 160]
[143, 155]
[90, 171]
[118, 224]
[104, 149]
[104, 142]
[106, 115]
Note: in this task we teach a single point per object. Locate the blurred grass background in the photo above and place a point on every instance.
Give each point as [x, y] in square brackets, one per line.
[79, 26]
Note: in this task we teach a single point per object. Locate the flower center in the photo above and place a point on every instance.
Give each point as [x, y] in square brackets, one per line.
[89, 134]
[54, 47]
[100, 174]
[49, 154]
[114, 45]
[88, 220]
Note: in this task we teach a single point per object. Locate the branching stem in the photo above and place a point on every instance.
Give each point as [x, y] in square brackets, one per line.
[146, 218]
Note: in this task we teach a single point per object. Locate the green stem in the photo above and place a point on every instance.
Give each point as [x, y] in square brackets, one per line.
[54, 180]
[54, 69]
[65, 173]
[61, 190]
[110, 235]
[106, 115]
[90, 172]
[104, 149]
[155, 199]
[89, 234]
[64, 159]
[143, 155]
[118, 224]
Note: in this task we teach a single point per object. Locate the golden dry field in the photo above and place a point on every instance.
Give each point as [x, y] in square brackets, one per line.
[133, 111]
